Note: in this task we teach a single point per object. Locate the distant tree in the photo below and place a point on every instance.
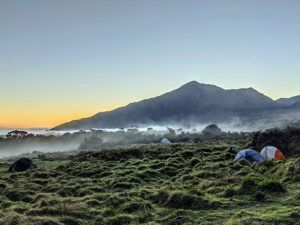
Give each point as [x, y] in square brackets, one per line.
[171, 131]
[212, 130]
[17, 134]
[133, 130]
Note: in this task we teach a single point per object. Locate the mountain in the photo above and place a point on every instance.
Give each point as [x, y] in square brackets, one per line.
[288, 101]
[191, 103]
[296, 105]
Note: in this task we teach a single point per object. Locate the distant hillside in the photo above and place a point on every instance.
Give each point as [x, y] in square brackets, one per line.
[289, 101]
[191, 103]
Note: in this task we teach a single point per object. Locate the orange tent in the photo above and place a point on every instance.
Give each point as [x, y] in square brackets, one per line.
[271, 152]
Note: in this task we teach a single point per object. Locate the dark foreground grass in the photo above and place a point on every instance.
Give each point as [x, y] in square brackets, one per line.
[152, 184]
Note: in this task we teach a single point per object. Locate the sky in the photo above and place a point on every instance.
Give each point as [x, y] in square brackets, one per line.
[67, 59]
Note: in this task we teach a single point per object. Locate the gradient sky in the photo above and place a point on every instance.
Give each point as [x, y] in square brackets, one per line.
[66, 59]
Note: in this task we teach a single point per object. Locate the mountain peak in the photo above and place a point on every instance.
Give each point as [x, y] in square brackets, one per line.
[191, 84]
[250, 90]
[191, 102]
[196, 84]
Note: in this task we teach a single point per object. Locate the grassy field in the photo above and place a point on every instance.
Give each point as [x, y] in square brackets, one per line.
[152, 184]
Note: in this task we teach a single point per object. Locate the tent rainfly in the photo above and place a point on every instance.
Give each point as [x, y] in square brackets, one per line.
[250, 155]
[165, 141]
[271, 152]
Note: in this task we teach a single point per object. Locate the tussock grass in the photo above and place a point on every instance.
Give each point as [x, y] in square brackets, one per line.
[182, 200]
[184, 183]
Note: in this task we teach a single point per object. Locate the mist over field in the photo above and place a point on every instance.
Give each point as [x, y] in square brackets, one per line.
[46, 140]
[187, 110]
[149, 112]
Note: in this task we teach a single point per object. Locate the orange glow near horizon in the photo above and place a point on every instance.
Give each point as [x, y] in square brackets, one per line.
[35, 120]
[39, 121]
[65, 60]
[46, 116]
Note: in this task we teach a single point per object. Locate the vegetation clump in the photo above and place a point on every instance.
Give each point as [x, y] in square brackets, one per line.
[152, 184]
[252, 184]
[182, 200]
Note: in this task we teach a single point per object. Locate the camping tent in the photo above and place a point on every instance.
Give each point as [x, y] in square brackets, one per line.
[165, 141]
[22, 164]
[250, 155]
[271, 152]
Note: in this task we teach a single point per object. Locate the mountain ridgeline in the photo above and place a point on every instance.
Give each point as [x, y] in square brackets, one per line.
[191, 103]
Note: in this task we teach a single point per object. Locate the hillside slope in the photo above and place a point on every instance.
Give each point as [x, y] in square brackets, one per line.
[288, 101]
[191, 103]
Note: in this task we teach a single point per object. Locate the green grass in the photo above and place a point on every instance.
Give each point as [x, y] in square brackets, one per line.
[177, 184]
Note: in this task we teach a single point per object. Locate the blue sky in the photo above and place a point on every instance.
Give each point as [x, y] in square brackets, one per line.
[67, 59]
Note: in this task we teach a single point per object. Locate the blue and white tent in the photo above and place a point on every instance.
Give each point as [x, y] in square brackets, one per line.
[250, 155]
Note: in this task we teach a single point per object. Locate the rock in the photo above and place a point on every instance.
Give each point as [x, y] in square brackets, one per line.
[22, 164]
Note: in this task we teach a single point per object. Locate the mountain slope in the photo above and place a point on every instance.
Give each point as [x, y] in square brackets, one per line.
[288, 101]
[192, 102]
